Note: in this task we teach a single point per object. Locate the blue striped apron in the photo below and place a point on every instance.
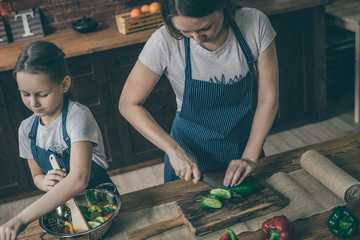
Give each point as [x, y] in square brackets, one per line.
[215, 119]
[41, 156]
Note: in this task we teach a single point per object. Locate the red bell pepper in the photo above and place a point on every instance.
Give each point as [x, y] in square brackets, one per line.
[229, 235]
[277, 228]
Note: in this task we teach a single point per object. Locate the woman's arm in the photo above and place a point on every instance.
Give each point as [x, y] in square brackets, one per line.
[137, 88]
[267, 106]
[72, 184]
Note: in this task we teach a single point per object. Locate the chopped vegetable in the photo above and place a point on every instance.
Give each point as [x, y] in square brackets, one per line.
[211, 203]
[90, 197]
[342, 223]
[245, 189]
[94, 224]
[215, 196]
[277, 228]
[100, 219]
[225, 193]
[71, 228]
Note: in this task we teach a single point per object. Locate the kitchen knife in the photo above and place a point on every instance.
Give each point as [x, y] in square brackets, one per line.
[215, 184]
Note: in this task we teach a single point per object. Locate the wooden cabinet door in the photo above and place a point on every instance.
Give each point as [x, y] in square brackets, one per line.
[14, 173]
[300, 48]
[90, 88]
[161, 105]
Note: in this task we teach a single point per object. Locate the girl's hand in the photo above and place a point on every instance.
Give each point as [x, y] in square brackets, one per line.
[237, 171]
[11, 229]
[185, 166]
[52, 178]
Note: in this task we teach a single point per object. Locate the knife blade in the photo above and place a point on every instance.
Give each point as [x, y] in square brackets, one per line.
[213, 183]
[216, 184]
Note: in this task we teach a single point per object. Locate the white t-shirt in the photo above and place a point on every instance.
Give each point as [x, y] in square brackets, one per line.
[80, 126]
[164, 54]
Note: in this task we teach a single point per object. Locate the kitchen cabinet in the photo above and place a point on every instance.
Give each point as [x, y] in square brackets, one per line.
[15, 177]
[300, 45]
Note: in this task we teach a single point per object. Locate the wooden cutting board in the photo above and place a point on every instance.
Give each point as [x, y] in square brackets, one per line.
[201, 221]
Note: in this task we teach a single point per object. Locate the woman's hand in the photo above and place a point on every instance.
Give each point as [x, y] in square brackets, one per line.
[237, 171]
[11, 229]
[52, 178]
[185, 165]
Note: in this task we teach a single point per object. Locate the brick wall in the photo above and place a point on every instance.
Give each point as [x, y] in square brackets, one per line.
[57, 15]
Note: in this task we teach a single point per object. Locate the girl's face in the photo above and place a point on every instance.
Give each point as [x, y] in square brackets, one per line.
[41, 95]
[203, 29]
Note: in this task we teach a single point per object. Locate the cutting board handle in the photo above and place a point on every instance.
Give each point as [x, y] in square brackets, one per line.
[155, 229]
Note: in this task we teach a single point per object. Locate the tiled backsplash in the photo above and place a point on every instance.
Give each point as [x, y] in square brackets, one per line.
[57, 15]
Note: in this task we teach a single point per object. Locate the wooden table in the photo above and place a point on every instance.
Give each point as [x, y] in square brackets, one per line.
[344, 152]
[346, 14]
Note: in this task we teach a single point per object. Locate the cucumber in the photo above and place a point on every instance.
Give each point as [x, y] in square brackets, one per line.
[94, 224]
[211, 203]
[223, 192]
[245, 189]
[220, 198]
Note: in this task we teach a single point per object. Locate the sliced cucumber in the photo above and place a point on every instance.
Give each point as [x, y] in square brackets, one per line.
[223, 192]
[100, 219]
[94, 224]
[211, 203]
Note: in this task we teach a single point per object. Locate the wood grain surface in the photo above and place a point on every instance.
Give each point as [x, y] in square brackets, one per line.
[202, 221]
[343, 151]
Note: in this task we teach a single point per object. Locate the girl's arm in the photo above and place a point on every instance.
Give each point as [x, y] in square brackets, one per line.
[137, 88]
[71, 185]
[42, 181]
[267, 106]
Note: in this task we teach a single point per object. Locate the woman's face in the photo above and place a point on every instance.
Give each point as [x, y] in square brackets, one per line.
[41, 95]
[202, 29]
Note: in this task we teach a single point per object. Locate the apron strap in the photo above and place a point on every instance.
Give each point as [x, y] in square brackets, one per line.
[244, 46]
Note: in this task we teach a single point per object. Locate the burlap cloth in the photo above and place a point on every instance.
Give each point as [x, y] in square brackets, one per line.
[318, 187]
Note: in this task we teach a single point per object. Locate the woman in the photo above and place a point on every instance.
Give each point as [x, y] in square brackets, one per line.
[222, 66]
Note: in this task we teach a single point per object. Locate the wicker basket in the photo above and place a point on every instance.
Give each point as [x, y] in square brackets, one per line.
[127, 24]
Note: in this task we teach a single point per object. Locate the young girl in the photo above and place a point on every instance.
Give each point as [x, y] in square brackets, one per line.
[222, 65]
[58, 126]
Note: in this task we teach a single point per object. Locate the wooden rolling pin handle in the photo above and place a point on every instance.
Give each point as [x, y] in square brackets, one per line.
[155, 229]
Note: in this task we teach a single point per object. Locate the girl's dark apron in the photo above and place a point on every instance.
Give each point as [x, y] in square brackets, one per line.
[41, 156]
[215, 119]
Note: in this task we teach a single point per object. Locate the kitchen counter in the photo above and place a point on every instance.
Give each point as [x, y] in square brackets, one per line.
[342, 151]
[108, 37]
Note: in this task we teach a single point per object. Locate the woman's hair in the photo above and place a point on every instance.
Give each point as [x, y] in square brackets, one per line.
[43, 57]
[193, 8]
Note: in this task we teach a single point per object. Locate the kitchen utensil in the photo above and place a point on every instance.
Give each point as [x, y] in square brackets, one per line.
[215, 184]
[84, 25]
[96, 233]
[78, 221]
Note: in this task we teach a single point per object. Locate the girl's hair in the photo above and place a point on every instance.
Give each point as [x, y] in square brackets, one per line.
[193, 8]
[43, 57]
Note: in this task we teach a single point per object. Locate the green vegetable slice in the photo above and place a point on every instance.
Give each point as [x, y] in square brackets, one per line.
[245, 189]
[218, 197]
[94, 224]
[100, 219]
[211, 203]
[223, 192]
[90, 197]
